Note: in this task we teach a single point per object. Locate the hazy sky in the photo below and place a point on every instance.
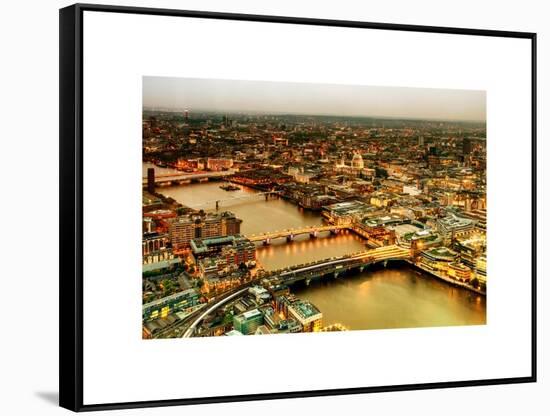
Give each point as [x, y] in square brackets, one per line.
[321, 99]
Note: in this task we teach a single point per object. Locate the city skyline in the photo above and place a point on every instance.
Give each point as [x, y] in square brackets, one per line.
[309, 99]
[274, 221]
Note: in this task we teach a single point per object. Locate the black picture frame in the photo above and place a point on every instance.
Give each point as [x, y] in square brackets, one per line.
[71, 205]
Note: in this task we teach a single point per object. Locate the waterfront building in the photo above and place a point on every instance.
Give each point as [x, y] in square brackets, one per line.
[471, 249]
[233, 249]
[481, 270]
[307, 315]
[247, 322]
[190, 165]
[278, 325]
[260, 294]
[376, 236]
[151, 180]
[440, 254]
[187, 227]
[289, 326]
[150, 202]
[459, 271]
[219, 164]
[438, 259]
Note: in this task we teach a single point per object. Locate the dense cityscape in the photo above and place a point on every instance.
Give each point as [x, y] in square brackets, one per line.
[408, 192]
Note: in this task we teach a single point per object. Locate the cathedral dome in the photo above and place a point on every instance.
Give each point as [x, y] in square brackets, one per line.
[357, 161]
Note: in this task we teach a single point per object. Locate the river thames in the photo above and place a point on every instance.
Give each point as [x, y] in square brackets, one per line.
[398, 296]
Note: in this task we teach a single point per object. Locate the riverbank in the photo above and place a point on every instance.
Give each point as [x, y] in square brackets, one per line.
[447, 279]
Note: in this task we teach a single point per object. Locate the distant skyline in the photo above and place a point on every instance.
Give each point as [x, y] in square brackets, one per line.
[313, 99]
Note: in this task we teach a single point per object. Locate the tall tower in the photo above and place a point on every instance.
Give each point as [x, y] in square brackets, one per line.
[151, 180]
[186, 115]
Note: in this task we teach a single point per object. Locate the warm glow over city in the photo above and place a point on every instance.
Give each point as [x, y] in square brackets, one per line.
[273, 222]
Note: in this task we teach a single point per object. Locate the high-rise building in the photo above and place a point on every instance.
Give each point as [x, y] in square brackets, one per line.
[151, 180]
[421, 141]
[467, 147]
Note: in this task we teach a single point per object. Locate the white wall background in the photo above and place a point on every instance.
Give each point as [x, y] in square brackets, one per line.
[28, 207]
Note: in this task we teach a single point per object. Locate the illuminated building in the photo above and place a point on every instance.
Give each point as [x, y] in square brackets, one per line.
[481, 270]
[189, 164]
[357, 161]
[219, 164]
[304, 177]
[459, 271]
[233, 249]
[307, 315]
[344, 213]
[179, 301]
[455, 227]
[160, 259]
[356, 166]
[187, 227]
[437, 259]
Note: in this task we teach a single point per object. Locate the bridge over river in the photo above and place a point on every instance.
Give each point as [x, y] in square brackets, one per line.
[185, 177]
[338, 265]
[310, 271]
[289, 234]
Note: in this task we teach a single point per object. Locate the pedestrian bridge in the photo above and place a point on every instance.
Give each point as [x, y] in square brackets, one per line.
[289, 234]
